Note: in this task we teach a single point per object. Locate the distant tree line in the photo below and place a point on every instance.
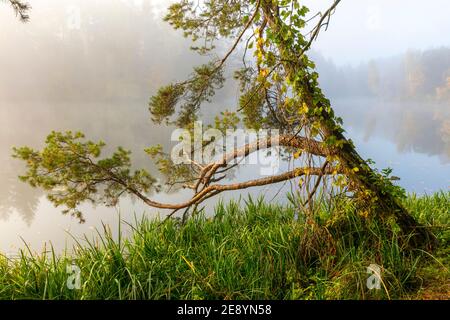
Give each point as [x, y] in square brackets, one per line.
[413, 75]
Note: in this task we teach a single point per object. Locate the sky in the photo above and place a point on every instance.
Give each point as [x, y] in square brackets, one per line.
[361, 30]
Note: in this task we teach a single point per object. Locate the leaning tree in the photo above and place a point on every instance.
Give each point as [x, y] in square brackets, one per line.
[20, 8]
[278, 89]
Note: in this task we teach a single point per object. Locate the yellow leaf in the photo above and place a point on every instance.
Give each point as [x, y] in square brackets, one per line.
[190, 264]
[298, 154]
[264, 72]
[304, 108]
[300, 182]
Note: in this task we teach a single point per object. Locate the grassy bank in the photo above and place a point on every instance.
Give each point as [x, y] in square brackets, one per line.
[250, 250]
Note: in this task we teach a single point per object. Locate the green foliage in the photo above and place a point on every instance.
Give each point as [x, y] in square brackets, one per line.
[207, 79]
[244, 251]
[251, 103]
[209, 20]
[71, 171]
[280, 70]
[384, 180]
[162, 105]
[226, 121]
[432, 211]
[204, 82]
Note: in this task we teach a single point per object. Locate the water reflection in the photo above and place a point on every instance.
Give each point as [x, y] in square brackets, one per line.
[405, 98]
[418, 127]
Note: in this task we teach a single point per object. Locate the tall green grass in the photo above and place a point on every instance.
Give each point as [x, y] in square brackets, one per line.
[246, 250]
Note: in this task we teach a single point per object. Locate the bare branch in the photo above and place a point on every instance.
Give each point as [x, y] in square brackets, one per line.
[320, 24]
[21, 9]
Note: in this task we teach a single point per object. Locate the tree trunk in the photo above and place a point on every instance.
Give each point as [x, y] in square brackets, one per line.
[363, 179]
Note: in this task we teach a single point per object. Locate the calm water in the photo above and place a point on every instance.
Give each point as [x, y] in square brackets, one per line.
[98, 77]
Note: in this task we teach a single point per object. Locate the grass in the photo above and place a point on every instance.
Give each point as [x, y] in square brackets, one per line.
[247, 250]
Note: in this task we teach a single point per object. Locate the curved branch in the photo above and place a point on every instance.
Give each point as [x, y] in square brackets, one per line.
[213, 190]
[309, 145]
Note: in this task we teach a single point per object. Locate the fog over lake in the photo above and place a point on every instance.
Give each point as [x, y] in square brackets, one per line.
[92, 66]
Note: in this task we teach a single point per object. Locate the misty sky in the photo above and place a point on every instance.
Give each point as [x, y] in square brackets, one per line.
[366, 29]
[360, 29]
